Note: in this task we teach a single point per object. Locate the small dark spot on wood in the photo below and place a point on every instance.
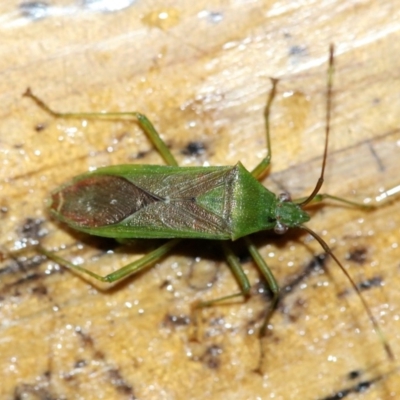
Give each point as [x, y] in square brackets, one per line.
[360, 387]
[140, 155]
[217, 321]
[69, 377]
[86, 339]
[297, 50]
[29, 278]
[211, 356]
[120, 384]
[354, 374]
[34, 9]
[98, 355]
[32, 229]
[364, 285]
[379, 161]
[339, 395]
[358, 255]
[165, 283]
[363, 386]
[176, 320]
[40, 127]
[294, 312]
[317, 264]
[367, 284]
[22, 264]
[194, 149]
[80, 364]
[40, 290]
[33, 391]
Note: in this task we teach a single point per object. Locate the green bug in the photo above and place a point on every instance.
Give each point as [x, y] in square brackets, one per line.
[171, 202]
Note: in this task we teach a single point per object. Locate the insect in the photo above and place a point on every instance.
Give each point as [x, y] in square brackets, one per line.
[171, 202]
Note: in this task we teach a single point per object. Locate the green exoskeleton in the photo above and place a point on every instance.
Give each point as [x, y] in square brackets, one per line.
[171, 202]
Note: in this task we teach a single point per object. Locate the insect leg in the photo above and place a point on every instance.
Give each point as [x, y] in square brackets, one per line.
[237, 272]
[383, 198]
[243, 281]
[121, 273]
[240, 277]
[262, 167]
[274, 288]
[155, 138]
[245, 284]
[142, 120]
[269, 277]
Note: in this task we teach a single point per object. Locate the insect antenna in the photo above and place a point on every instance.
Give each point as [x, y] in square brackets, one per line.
[313, 195]
[374, 322]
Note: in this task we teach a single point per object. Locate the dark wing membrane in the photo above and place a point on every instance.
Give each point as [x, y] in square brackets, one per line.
[99, 200]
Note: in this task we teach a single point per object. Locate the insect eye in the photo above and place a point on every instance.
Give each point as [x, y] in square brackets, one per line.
[280, 228]
[284, 197]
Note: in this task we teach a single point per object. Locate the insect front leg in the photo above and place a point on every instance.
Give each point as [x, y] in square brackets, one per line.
[263, 166]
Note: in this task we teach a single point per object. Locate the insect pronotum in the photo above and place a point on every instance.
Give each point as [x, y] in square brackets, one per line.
[171, 202]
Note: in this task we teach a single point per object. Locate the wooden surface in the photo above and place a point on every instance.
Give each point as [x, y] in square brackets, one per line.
[200, 71]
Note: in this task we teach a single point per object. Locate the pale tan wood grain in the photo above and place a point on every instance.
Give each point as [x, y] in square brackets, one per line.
[200, 71]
